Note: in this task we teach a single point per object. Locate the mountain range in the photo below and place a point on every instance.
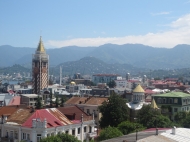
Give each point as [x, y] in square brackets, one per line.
[137, 55]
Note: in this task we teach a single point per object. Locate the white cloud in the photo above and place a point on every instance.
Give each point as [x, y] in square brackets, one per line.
[161, 13]
[178, 34]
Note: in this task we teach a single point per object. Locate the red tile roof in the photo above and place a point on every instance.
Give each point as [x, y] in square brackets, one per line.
[15, 101]
[42, 114]
[75, 113]
[148, 91]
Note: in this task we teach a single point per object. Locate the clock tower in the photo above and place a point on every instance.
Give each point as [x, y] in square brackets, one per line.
[40, 68]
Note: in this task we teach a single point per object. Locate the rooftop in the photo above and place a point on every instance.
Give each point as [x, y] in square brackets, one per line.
[30, 95]
[106, 75]
[138, 89]
[173, 94]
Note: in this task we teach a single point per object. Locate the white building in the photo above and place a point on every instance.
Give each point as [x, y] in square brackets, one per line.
[32, 125]
[104, 78]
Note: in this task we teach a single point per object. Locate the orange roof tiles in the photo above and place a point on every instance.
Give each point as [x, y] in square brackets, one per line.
[20, 116]
[7, 110]
[96, 101]
[59, 115]
[76, 100]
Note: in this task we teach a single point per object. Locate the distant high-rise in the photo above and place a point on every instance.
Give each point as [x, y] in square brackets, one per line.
[40, 68]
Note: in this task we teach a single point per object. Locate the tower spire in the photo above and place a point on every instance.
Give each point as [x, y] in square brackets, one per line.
[41, 46]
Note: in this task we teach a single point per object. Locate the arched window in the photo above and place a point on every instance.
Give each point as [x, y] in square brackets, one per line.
[170, 100]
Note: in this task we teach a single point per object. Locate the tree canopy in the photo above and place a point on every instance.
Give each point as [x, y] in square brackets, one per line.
[108, 133]
[112, 84]
[38, 103]
[127, 127]
[60, 138]
[114, 111]
[150, 118]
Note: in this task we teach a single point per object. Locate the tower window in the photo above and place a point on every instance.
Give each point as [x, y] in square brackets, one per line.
[44, 64]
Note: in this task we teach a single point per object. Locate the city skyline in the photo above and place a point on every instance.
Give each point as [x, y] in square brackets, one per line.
[94, 23]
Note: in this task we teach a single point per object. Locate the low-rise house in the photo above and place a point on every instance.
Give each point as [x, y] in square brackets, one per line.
[172, 102]
[29, 99]
[21, 123]
[89, 105]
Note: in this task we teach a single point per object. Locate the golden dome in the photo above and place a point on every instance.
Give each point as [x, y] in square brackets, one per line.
[138, 89]
[73, 83]
[41, 46]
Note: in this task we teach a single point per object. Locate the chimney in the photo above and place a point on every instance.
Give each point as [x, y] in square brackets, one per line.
[174, 130]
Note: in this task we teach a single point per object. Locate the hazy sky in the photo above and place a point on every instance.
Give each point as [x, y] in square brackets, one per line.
[158, 23]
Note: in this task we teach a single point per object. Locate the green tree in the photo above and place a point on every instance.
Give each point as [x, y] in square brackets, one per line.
[38, 103]
[51, 102]
[60, 138]
[108, 133]
[114, 111]
[63, 100]
[68, 138]
[51, 139]
[112, 84]
[127, 127]
[151, 118]
[180, 117]
[57, 101]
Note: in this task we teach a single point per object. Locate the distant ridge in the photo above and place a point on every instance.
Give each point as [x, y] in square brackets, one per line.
[137, 55]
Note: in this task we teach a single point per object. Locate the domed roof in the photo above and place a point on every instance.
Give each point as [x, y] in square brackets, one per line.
[138, 89]
[73, 83]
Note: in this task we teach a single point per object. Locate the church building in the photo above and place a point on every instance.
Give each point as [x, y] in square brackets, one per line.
[40, 68]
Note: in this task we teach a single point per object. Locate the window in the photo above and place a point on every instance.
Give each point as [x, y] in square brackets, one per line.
[88, 111]
[44, 64]
[73, 132]
[66, 132]
[85, 129]
[38, 137]
[78, 130]
[16, 135]
[11, 134]
[176, 100]
[170, 101]
[24, 136]
[159, 100]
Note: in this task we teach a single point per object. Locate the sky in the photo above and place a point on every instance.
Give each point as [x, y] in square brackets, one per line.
[61, 23]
